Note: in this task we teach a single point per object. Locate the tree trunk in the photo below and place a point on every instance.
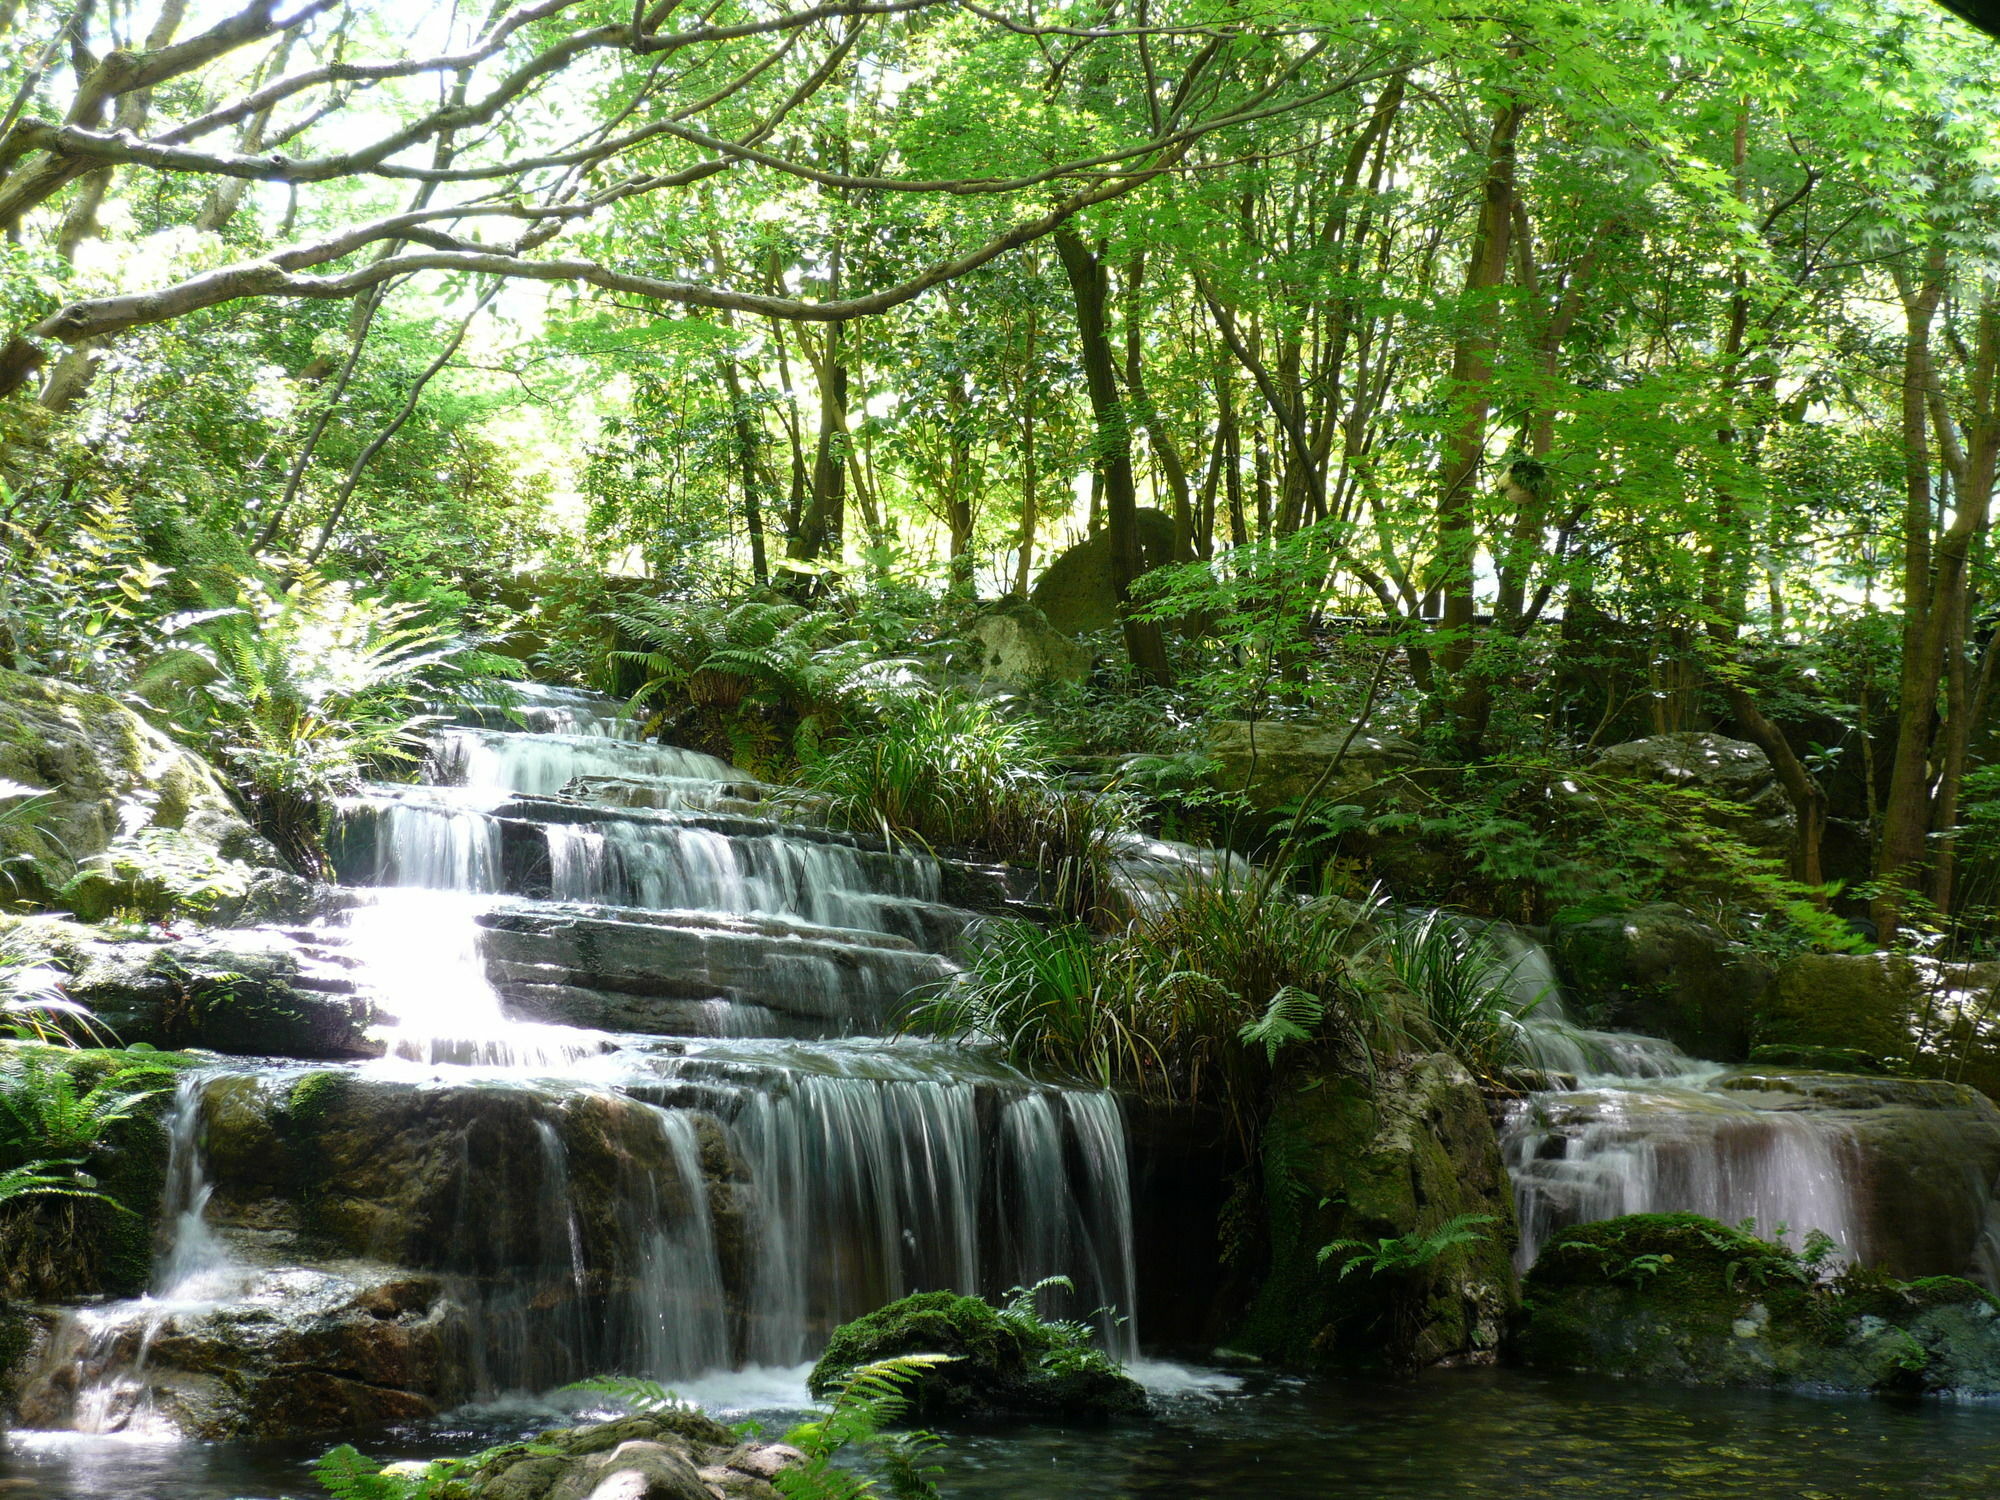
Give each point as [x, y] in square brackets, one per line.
[1143, 641]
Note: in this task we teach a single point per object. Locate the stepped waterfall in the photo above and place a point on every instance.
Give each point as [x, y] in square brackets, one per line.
[637, 1111]
[640, 1109]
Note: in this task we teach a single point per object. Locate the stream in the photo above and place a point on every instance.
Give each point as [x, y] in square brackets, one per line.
[640, 1111]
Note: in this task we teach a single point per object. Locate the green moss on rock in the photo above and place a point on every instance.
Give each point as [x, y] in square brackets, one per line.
[1352, 1158]
[1677, 1297]
[1002, 1363]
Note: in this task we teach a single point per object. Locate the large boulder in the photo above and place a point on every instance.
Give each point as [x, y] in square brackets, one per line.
[1661, 970]
[1882, 1010]
[998, 1363]
[1076, 592]
[293, 1352]
[1745, 797]
[1020, 649]
[1677, 1297]
[97, 774]
[1397, 1158]
[1274, 762]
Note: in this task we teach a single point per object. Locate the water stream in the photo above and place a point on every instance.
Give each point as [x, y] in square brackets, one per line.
[639, 1111]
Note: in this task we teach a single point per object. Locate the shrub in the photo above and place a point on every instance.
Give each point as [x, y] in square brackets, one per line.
[950, 772]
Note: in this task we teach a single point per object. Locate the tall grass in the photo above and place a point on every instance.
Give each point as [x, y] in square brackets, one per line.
[1192, 1000]
[1461, 985]
[955, 773]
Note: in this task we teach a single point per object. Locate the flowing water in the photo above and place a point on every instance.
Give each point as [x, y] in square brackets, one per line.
[638, 1110]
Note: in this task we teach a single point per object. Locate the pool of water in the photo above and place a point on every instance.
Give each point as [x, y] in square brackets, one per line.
[1459, 1433]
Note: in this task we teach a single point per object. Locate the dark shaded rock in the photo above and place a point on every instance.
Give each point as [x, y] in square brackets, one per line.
[1344, 1160]
[298, 1352]
[1000, 1364]
[1278, 761]
[1076, 593]
[1681, 1298]
[1747, 800]
[1890, 1010]
[1663, 971]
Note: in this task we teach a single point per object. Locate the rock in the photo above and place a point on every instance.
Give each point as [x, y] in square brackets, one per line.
[1076, 593]
[99, 772]
[1280, 761]
[299, 1352]
[250, 992]
[1885, 1010]
[667, 1455]
[997, 1363]
[1018, 648]
[1662, 970]
[1748, 800]
[1681, 1298]
[1344, 1160]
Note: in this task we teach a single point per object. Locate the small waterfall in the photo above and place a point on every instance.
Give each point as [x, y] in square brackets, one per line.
[1633, 1125]
[660, 1204]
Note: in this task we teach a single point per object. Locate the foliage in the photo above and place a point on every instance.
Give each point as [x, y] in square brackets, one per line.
[1193, 999]
[866, 1403]
[302, 692]
[34, 1007]
[950, 772]
[1405, 1253]
[1463, 985]
[44, 1113]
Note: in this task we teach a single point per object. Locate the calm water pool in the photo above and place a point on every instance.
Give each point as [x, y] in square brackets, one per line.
[1465, 1433]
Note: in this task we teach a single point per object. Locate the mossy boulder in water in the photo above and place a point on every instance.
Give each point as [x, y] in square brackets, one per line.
[664, 1455]
[1397, 1158]
[1676, 1297]
[1001, 1362]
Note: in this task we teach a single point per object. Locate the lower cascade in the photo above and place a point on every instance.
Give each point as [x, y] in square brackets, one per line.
[635, 1113]
[1896, 1173]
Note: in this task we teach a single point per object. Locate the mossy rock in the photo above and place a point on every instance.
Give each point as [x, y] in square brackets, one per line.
[1402, 1154]
[1000, 1364]
[1681, 1298]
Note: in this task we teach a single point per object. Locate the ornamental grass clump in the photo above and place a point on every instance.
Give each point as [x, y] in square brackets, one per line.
[948, 772]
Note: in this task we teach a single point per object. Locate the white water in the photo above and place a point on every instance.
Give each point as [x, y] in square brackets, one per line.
[758, 1193]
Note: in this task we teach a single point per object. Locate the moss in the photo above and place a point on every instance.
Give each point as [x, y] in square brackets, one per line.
[1683, 1298]
[1372, 1159]
[1001, 1362]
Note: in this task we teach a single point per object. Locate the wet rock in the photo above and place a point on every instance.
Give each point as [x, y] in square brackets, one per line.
[98, 771]
[293, 1352]
[1676, 1297]
[1663, 971]
[1747, 799]
[660, 973]
[668, 1455]
[1277, 761]
[1076, 593]
[251, 992]
[1019, 648]
[1345, 1159]
[997, 1363]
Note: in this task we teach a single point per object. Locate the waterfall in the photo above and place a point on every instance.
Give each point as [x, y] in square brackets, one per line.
[662, 1201]
[1630, 1124]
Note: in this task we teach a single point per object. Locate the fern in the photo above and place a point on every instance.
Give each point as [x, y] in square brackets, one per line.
[643, 1396]
[348, 1474]
[36, 1179]
[42, 1114]
[870, 1399]
[1406, 1252]
[1293, 1015]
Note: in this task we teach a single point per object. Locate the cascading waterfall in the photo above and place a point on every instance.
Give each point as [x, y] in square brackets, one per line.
[673, 1201]
[1633, 1125]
